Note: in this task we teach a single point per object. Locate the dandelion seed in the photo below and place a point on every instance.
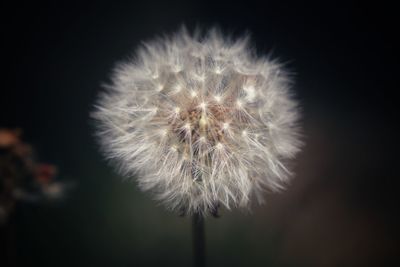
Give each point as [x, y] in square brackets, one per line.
[218, 98]
[178, 88]
[203, 105]
[219, 146]
[218, 71]
[160, 87]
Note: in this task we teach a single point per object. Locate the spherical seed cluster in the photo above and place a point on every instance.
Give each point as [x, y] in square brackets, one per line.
[201, 122]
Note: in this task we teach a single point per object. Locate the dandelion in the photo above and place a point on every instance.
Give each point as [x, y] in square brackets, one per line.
[200, 121]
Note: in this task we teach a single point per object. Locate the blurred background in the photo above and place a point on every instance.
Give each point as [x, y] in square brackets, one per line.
[340, 209]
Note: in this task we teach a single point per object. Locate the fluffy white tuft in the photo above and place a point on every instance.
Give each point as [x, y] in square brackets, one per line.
[200, 121]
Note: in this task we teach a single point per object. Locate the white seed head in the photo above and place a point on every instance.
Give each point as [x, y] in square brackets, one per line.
[200, 122]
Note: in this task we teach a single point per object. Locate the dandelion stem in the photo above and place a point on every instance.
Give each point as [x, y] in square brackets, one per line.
[198, 240]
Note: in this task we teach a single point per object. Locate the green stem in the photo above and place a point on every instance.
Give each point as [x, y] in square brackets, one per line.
[198, 240]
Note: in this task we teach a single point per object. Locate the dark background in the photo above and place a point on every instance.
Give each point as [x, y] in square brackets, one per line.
[340, 209]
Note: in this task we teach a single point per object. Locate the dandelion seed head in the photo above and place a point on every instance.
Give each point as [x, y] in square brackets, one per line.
[200, 121]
